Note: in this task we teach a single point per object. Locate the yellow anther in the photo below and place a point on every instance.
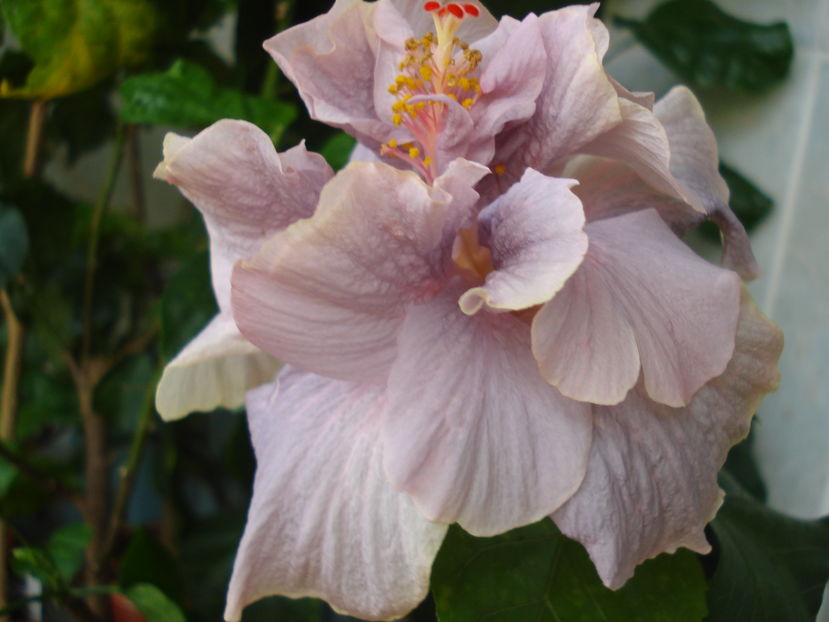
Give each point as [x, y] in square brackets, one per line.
[499, 169]
[412, 43]
[393, 89]
[393, 143]
[400, 79]
[427, 161]
[397, 118]
[475, 84]
[464, 83]
[467, 103]
[451, 79]
[420, 105]
[407, 97]
[411, 82]
[428, 37]
[463, 45]
[426, 72]
[453, 96]
[411, 110]
[414, 152]
[398, 105]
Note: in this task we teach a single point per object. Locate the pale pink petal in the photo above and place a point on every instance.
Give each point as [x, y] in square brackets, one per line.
[537, 242]
[512, 77]
[640, 297]
[328, 293]
[674, 150]
[472, 432]
[695, 163]
[331, 60]
[213, 370]
[243, 188]
[577, 103]
[324, 521]
[651, 486]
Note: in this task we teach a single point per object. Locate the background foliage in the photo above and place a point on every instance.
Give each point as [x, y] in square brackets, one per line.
[108, 514]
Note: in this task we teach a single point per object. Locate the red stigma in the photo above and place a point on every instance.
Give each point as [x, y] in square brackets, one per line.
[455, 9]
[431, 6]
[471, 10]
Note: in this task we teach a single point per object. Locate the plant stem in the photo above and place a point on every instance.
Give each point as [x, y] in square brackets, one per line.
[136, 174]
[129, 468]
[34, 138]
[101, 206]
[8, 410]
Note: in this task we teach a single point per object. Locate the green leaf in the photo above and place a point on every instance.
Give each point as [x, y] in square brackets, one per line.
[148, 561]
[77, 43]
[14, 243]
[66, 548]
[7, 474]
[154, 604]
[337, 149]
[187, 305]
[750, 204]
[186, 96]
[771, 568]
[36, 562]
[710, 48]
[535, 574]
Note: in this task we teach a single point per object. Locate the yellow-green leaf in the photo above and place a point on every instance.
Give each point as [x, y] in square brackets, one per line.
[76, 43]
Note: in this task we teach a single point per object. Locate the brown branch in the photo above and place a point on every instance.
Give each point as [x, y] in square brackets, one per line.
[136, 172]
[34, 138]
[8, 412]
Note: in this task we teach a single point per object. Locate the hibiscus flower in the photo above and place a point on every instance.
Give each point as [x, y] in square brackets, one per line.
[468, 341]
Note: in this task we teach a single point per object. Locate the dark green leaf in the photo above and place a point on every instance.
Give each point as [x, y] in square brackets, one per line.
[535, 574]
[742, 466]
[148, 561]
[186, 95]
[36, 562]
[7, 474]
[82, 121]
[771, 568]
[710, 48]
[154, 604]
[750, 204]
[66, 548]
[14, 243]
[76, 44]
[187, 305]
[337, 149]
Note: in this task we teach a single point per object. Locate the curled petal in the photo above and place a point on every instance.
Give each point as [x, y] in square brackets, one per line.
[651, 486]
[577, 103]
[243, 188]
[641, 297]
[472, 432]
[331, 59]
[537, 242]
[323, 521]
[213, 370]
[694, 162]
[328, 293]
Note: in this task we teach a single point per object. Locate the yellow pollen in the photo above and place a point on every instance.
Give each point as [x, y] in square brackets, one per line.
[499, 169]
[427, 161]
[397, 118]
[411, 110]
[467, 103]
[453, 96]
[400, 79]
[393, 89]
[393, 143]
[398, 105]
[464, 83]
[426, 72]
[414, 152]
[451, 79]
[412, 43]
[420, 105]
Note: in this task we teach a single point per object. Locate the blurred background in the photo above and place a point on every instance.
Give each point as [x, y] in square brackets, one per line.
[108, 512]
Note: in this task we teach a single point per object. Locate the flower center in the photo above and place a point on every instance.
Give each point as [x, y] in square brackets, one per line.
[437, 64]
[471, 259]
